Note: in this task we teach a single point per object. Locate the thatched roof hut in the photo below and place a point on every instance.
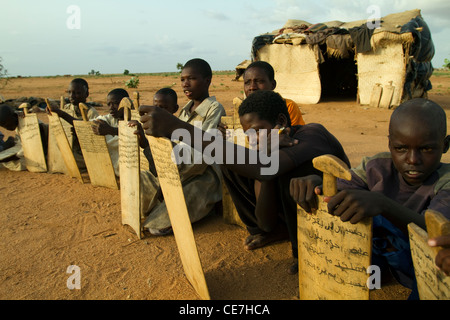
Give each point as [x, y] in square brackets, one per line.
[335, 59]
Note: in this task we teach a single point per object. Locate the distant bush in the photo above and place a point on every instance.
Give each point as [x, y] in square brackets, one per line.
[126, 72]
[94, 73]
[132, 83]
[446, 64]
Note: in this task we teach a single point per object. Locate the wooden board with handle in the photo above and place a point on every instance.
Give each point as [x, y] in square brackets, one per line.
[333, 256]
[129, 169]
[95, 153]
[30, 136]
[55, 161]
[386, 97]
[376, 95]
[62, 145]
[432, 283]
[170, 182]
[135, 116]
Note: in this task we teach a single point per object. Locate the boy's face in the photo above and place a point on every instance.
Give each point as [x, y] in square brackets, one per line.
[256, 79]
[194, 85]
[253, 121]
[165, 102]
[113, 102]
[416, 149]
[77, 93]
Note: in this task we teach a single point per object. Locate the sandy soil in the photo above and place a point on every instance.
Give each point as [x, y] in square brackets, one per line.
[49, 222]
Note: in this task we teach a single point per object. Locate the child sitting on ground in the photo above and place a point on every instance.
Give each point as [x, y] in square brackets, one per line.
[394, 188]
[105, 125]
[198, 179]
[108, 125]
[78, 92]
[9, 119]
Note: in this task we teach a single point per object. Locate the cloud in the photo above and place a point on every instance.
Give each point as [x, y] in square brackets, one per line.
[216, 15]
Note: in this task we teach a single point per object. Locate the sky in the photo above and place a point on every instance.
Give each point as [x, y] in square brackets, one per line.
[49, 37]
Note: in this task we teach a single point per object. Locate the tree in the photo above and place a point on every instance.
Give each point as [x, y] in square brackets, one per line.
[179, 66]
[3, 74]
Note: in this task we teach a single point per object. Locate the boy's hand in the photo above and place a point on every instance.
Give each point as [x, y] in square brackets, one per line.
[54, 108]
[443, 257]
[143, 142]
[304, 190]
[354, 205]
[285, 139]
[101, 128]
[158, 122]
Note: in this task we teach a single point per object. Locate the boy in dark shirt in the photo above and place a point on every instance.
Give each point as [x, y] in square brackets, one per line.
[396, 187]
[275, 210]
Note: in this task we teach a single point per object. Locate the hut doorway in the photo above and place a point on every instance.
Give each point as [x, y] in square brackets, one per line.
[338, 77]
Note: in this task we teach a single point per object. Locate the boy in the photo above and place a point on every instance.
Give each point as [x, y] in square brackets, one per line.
[9, 119]
[108, 125]
[265, 219]
[78, 92]
[394, 188]
[260, 75]
[199, 180]
[166, 98]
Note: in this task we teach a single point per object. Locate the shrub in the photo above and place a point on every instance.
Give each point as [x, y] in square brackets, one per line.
[132, 83]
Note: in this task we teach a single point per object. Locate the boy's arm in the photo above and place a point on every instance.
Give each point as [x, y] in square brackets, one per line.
[354, 205]
[304, 190]
[246, 162]
[102, 128]
[63, 114]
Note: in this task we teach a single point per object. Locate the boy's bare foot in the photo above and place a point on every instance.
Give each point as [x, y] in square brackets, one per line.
[260, 240]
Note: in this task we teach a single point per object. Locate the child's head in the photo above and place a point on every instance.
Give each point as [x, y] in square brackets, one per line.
[113, 101]
[195, 79]
[417, 139]
[259, 75]
[78, 91]
[8, 118]
[166, 98]
[263, 110]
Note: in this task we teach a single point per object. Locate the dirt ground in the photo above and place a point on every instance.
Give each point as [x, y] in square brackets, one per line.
[49, 222]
